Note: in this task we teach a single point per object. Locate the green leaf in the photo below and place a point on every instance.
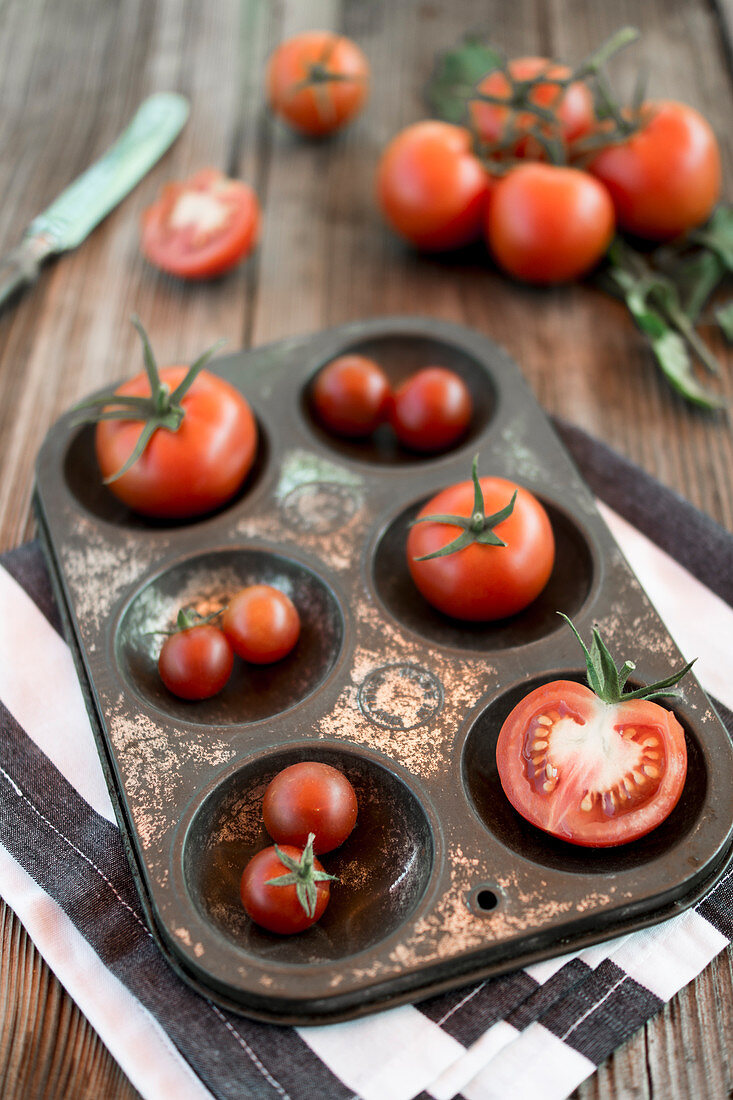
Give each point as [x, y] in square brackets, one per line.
[673, 357]
[724, 317]
[717, 235]
[696, 277]
[457, 72]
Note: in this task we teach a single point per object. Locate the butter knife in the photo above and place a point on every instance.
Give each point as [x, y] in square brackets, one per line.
[78, 209]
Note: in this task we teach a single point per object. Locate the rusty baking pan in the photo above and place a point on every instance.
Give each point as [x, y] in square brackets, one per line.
[441, 882]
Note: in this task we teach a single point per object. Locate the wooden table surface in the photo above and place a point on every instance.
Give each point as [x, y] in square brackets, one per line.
[72, 73]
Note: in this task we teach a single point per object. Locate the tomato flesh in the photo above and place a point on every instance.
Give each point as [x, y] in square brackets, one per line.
[592, 773]
[202, 227]
[278, 908]
[306, 798]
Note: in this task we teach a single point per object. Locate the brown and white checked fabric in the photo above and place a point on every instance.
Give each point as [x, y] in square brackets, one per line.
[538, 1031]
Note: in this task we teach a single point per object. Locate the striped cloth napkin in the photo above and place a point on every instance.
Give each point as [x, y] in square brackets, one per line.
[535, 1032]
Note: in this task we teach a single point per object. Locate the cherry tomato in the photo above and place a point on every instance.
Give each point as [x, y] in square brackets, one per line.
[196, 663]
[189, 471]
[482, 582]
[202, 227]
[432, 410]
[317, 81]
[262, 624]
[351, 396]
[547, 224]
[310, 798]
[572, 106]
[278, 908]
[665, 179]
[431, 188]
[590, 772]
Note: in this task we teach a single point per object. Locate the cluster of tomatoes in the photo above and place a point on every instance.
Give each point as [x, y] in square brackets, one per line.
[431, 411]
[308, 809]
[260, 624]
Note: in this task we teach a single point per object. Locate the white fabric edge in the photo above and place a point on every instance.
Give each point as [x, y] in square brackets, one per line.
[132, 1035]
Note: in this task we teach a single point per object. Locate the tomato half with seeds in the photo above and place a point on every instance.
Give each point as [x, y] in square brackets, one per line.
[202, 227]
[594, 767]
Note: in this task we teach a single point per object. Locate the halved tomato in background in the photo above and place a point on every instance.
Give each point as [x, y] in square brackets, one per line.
[201, 227]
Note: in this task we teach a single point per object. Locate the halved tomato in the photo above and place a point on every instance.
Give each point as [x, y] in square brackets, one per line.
[201, 227]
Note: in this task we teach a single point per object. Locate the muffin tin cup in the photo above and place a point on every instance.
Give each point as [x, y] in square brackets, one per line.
[441, 881]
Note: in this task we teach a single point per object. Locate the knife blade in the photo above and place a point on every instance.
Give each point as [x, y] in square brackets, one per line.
[82, 206]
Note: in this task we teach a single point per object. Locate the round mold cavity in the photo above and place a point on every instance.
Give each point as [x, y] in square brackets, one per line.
[84, 481]
[399, 356]
[383, 867]
[481, 780]
[205, 582]
[568, 588]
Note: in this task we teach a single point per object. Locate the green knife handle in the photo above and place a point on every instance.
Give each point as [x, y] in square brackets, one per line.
[21, 265]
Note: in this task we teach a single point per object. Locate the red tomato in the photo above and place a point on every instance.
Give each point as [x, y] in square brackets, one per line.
[196, 663]
[431, 188]
[432, 410]
[547, 224]
[202, 227]
[310, 798]
[262, 624]
[351, 396]
[665, 179]
[317, 81]
[278, 908]
[573, 107]
[190, 471]
[481, 582]
[590, 772]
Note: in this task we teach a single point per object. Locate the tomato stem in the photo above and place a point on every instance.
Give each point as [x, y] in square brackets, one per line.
[478, 527]
[303, 875]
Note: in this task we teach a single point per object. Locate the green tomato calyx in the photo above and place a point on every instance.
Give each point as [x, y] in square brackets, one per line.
[303, 875]
[607, 681]
[478, 527]
[162, 409]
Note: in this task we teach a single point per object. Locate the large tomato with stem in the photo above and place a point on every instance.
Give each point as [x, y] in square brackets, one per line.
[548, 224]
[201, 227]
[317, 81]
[496, 564]
[596, 766]
[665, 178]
[173, 443]
[568, 105]
[431, 188]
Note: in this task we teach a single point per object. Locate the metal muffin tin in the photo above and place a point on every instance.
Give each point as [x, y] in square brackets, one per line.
[441, 882]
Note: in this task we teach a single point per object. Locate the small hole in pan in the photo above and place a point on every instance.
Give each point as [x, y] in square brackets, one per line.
[567, 588]
[399, 356]
[383, 867]
[481, 779]
[84, 481]
[254, 692]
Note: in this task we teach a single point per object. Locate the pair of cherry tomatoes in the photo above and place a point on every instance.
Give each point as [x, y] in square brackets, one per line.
[595, 766]
[351, 396]
[546, 223]
[481, 550]
[260, 624]
[308, 808]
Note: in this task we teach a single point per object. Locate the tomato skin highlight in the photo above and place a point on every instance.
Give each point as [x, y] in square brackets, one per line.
[277, 908]
[607, 787]
[572, 106]
[196, 663]
[431, 188]
[666, 178]
[547, 224]
[201, 227]
[262, 624]
[351, 396]
[483, 583]
[188, 472]
[318, 108]
[432, 410]
[309, 797]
